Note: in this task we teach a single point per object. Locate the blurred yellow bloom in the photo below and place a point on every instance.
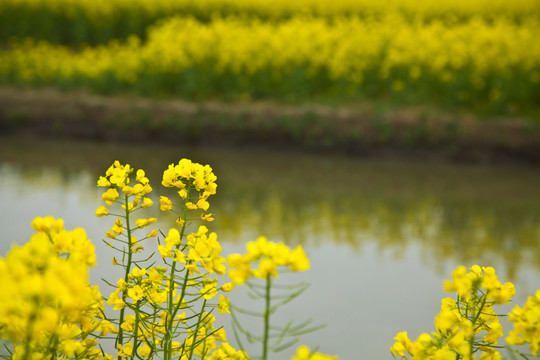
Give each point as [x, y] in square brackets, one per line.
[299, 261]
[179, 256]
[173, 238]
[203, 204]
[125, 350]
[128, 190]
[138, 273]
[165, 203]
[207, 217]
[266, 268]
[141, 177]
[526, 322]
[102, 211]
[129, 206]
[110, 196]
[227, 287]
[183, 194]
[165, 251]
[103, 182]
[147, 202]
[145, 222]
[209, 291]
[118, 226]
[136, 293]
[223, 305]
[47, 224]
[45, 284]
[144, 351]
[116, 301]
[191, 206]
[304, 353]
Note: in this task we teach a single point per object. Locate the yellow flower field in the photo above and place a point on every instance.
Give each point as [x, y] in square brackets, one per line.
[478, 55]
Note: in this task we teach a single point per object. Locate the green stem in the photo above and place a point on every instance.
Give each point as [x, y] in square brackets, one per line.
[28, 340]
[172, 313]
[120, 337]
[172, 310]
[195, 333]
[181, 299]
[54, 348]
[480, 310]
[136, 330]
[266, 318]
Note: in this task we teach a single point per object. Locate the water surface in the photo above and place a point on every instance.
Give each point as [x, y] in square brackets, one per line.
[382, 236]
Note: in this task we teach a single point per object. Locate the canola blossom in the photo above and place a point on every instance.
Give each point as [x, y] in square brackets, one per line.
[267, 256]
[165, 308]
[304, 353]
[526, 321]
[464, 326]
[258, 268]
[94, 22]
[153, 302]
[49, 309]
[484, 63]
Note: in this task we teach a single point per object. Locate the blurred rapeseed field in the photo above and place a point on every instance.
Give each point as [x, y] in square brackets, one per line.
[478, 55]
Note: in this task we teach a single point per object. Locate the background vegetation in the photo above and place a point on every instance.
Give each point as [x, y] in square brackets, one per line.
[478, 56]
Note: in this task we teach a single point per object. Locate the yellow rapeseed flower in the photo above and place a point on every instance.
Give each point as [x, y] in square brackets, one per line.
[102, 211]
[304, 353]
[223, 304]
[147, 202]
[526, 322]
[110, 196]
[165, 203]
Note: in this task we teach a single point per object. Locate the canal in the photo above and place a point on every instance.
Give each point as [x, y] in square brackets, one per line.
[382, 236]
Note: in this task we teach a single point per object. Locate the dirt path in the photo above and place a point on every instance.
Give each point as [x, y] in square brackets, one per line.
[359, 131]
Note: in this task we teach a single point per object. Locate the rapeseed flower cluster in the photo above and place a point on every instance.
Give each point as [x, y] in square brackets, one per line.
[304, 353]
[164, 308]
[257, 268]
[267, 256]
[526, 321]
[49, 309]
[466, 325]
[189, 177]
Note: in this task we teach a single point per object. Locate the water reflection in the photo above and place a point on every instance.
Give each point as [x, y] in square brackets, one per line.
[452, 213]
[381, 236]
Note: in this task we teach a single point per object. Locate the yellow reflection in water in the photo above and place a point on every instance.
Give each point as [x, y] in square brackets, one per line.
[461, 214]
[457, 231]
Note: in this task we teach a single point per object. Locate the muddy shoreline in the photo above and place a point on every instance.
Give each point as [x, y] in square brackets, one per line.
[406, 134]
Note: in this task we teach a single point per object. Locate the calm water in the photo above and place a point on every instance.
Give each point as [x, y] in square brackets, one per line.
[381, 236]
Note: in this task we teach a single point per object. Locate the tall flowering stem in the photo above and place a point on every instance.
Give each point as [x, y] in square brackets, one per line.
[262, 263]
[267, 310]
[465, 326]
[117, 177]
[159, 304]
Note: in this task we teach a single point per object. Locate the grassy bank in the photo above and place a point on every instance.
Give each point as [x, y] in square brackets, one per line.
[365, 130]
